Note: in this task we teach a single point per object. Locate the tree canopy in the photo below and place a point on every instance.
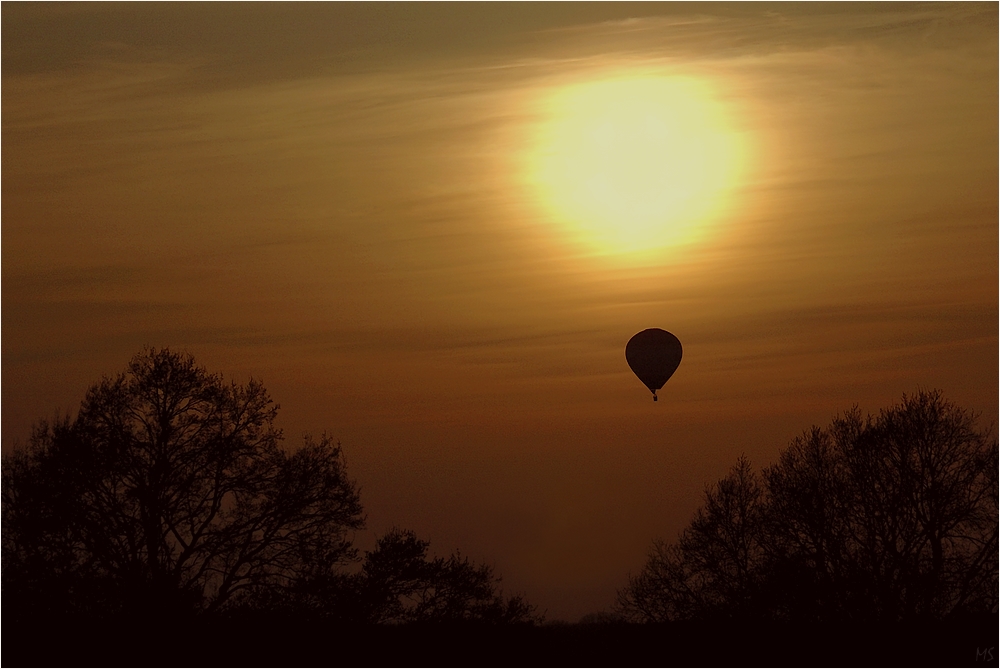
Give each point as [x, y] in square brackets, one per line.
[874, 518]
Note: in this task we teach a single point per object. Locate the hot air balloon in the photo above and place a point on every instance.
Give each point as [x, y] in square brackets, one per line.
[653, 355]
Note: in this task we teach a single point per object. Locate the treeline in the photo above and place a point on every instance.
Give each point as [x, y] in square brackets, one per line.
[168, 507]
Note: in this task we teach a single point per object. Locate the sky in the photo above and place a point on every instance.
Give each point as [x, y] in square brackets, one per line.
[390, 215]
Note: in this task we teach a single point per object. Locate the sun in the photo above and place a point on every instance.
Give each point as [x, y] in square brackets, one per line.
[636, 163]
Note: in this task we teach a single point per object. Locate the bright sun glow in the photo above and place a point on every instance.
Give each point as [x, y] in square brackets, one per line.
[635, 164]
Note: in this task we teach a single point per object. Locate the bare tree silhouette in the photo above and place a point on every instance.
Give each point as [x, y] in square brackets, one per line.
[169, 492]
[877, 518]
[713, 568]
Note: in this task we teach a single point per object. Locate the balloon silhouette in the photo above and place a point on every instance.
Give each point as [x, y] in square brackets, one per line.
[653, 355]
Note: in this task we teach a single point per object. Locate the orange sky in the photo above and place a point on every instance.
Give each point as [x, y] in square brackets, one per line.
[332, 198]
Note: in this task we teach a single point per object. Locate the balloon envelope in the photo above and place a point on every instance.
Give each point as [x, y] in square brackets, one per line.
[653, 355]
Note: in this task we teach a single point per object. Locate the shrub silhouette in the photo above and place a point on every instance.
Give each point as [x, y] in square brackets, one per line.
[884, 518]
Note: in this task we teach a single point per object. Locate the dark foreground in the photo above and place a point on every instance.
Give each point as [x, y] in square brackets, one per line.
[971, 642]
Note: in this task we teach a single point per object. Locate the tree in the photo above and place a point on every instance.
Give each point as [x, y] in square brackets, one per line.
[169, 492]
[876, 518]
[807, 527]
[712, 570]
[399, 584]
[921, 493]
